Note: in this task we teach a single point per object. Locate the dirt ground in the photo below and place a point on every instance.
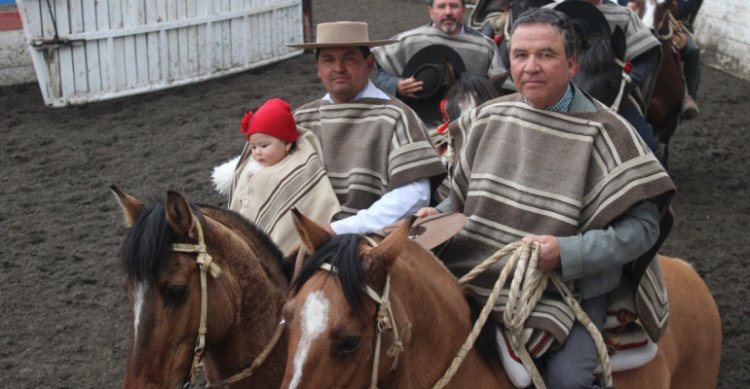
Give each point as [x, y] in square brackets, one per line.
[64, 316]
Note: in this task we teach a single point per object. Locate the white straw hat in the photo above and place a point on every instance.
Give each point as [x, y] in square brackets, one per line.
[342, 34]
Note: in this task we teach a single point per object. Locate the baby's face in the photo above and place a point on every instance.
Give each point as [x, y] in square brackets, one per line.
[268, 150]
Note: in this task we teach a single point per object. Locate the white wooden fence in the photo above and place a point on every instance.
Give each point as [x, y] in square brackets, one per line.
[723, 33]
[86, 50]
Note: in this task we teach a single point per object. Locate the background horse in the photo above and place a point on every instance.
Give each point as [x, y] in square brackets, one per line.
[664, 108]
[244, 295]
[332, 322]
[602, 74]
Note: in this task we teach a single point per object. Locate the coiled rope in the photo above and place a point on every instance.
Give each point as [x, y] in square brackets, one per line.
[526, 288]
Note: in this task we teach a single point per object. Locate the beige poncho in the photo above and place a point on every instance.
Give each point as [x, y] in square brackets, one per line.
[299, 180]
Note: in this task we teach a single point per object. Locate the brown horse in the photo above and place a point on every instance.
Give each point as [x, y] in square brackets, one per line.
[663, 112]
[175, 255]
[334, 325]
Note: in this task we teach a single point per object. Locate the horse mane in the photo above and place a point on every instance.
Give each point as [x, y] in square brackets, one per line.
[342, 252]
[597, 57]
[468, 84]
[149, 242]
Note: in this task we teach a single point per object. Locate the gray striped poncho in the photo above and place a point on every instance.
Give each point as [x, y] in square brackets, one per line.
[638, 37]
[525, 171]
[478, 52]
[370, 147]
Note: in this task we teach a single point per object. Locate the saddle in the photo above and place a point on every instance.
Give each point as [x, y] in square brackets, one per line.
[628, 343]
[431, 231]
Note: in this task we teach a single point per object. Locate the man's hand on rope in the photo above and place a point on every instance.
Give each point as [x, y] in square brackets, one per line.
[549, 251]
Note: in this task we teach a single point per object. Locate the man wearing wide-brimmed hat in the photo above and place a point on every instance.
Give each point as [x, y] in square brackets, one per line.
[425, 45]
[376, 151]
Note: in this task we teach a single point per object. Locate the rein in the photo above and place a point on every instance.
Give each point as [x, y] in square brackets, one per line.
[625, 79]
[206, 265]
[385, 322]
[527, 286]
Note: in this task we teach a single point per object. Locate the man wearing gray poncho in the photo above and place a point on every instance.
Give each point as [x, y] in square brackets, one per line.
[551, 164]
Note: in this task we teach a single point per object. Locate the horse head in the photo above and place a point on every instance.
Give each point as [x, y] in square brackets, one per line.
[329, 316]
[601, 70]
[189, 272]
[469, 91]
[365, 311]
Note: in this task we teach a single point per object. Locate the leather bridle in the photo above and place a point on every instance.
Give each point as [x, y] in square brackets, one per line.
[207, 266]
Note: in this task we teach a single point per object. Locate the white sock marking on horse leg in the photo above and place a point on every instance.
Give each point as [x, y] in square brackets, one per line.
[139, 295]
[314, 319]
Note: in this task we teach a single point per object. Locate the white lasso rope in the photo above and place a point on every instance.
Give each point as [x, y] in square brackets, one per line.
[527, 286]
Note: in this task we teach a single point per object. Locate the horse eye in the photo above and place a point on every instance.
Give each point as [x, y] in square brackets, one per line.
[174, 294]
[347, 344]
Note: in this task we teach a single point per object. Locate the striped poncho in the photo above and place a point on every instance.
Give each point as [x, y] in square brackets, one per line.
[370, 147]
[638, 37]
[477, 51]
[524, 171]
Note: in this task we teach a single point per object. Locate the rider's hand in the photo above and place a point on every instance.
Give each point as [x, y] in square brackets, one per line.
[549, 251]
[427, 211]
[408, 87]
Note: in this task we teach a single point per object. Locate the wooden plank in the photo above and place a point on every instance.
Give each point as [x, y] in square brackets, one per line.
[152, 42]
[78, 50]
[91, 60]
[182, 40]
[67, 72]
[191, 10]
[31, 13]
[173, 59]
[104, 46]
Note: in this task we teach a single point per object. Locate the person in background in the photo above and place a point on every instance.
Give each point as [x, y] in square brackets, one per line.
[475, 51]
[689, 51]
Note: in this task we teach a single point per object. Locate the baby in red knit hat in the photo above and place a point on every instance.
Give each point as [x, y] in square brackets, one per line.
[280, 168]
[271, 132]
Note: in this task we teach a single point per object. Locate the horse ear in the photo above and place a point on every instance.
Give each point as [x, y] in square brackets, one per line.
[618, 43]
[130, 205]
[311, 234]
[179, 215]
[390, 248]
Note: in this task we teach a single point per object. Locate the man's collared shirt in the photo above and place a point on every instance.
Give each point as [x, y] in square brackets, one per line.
[562, 105]
[370, 91]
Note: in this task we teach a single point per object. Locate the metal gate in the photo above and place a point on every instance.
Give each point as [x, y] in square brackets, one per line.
[86, 50]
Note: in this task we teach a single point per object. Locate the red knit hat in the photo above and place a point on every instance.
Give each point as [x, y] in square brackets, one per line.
[273, 118]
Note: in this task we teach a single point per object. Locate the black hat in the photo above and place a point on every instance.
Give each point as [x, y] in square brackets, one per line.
[585, 15]
[428, 66]
[517, 8]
